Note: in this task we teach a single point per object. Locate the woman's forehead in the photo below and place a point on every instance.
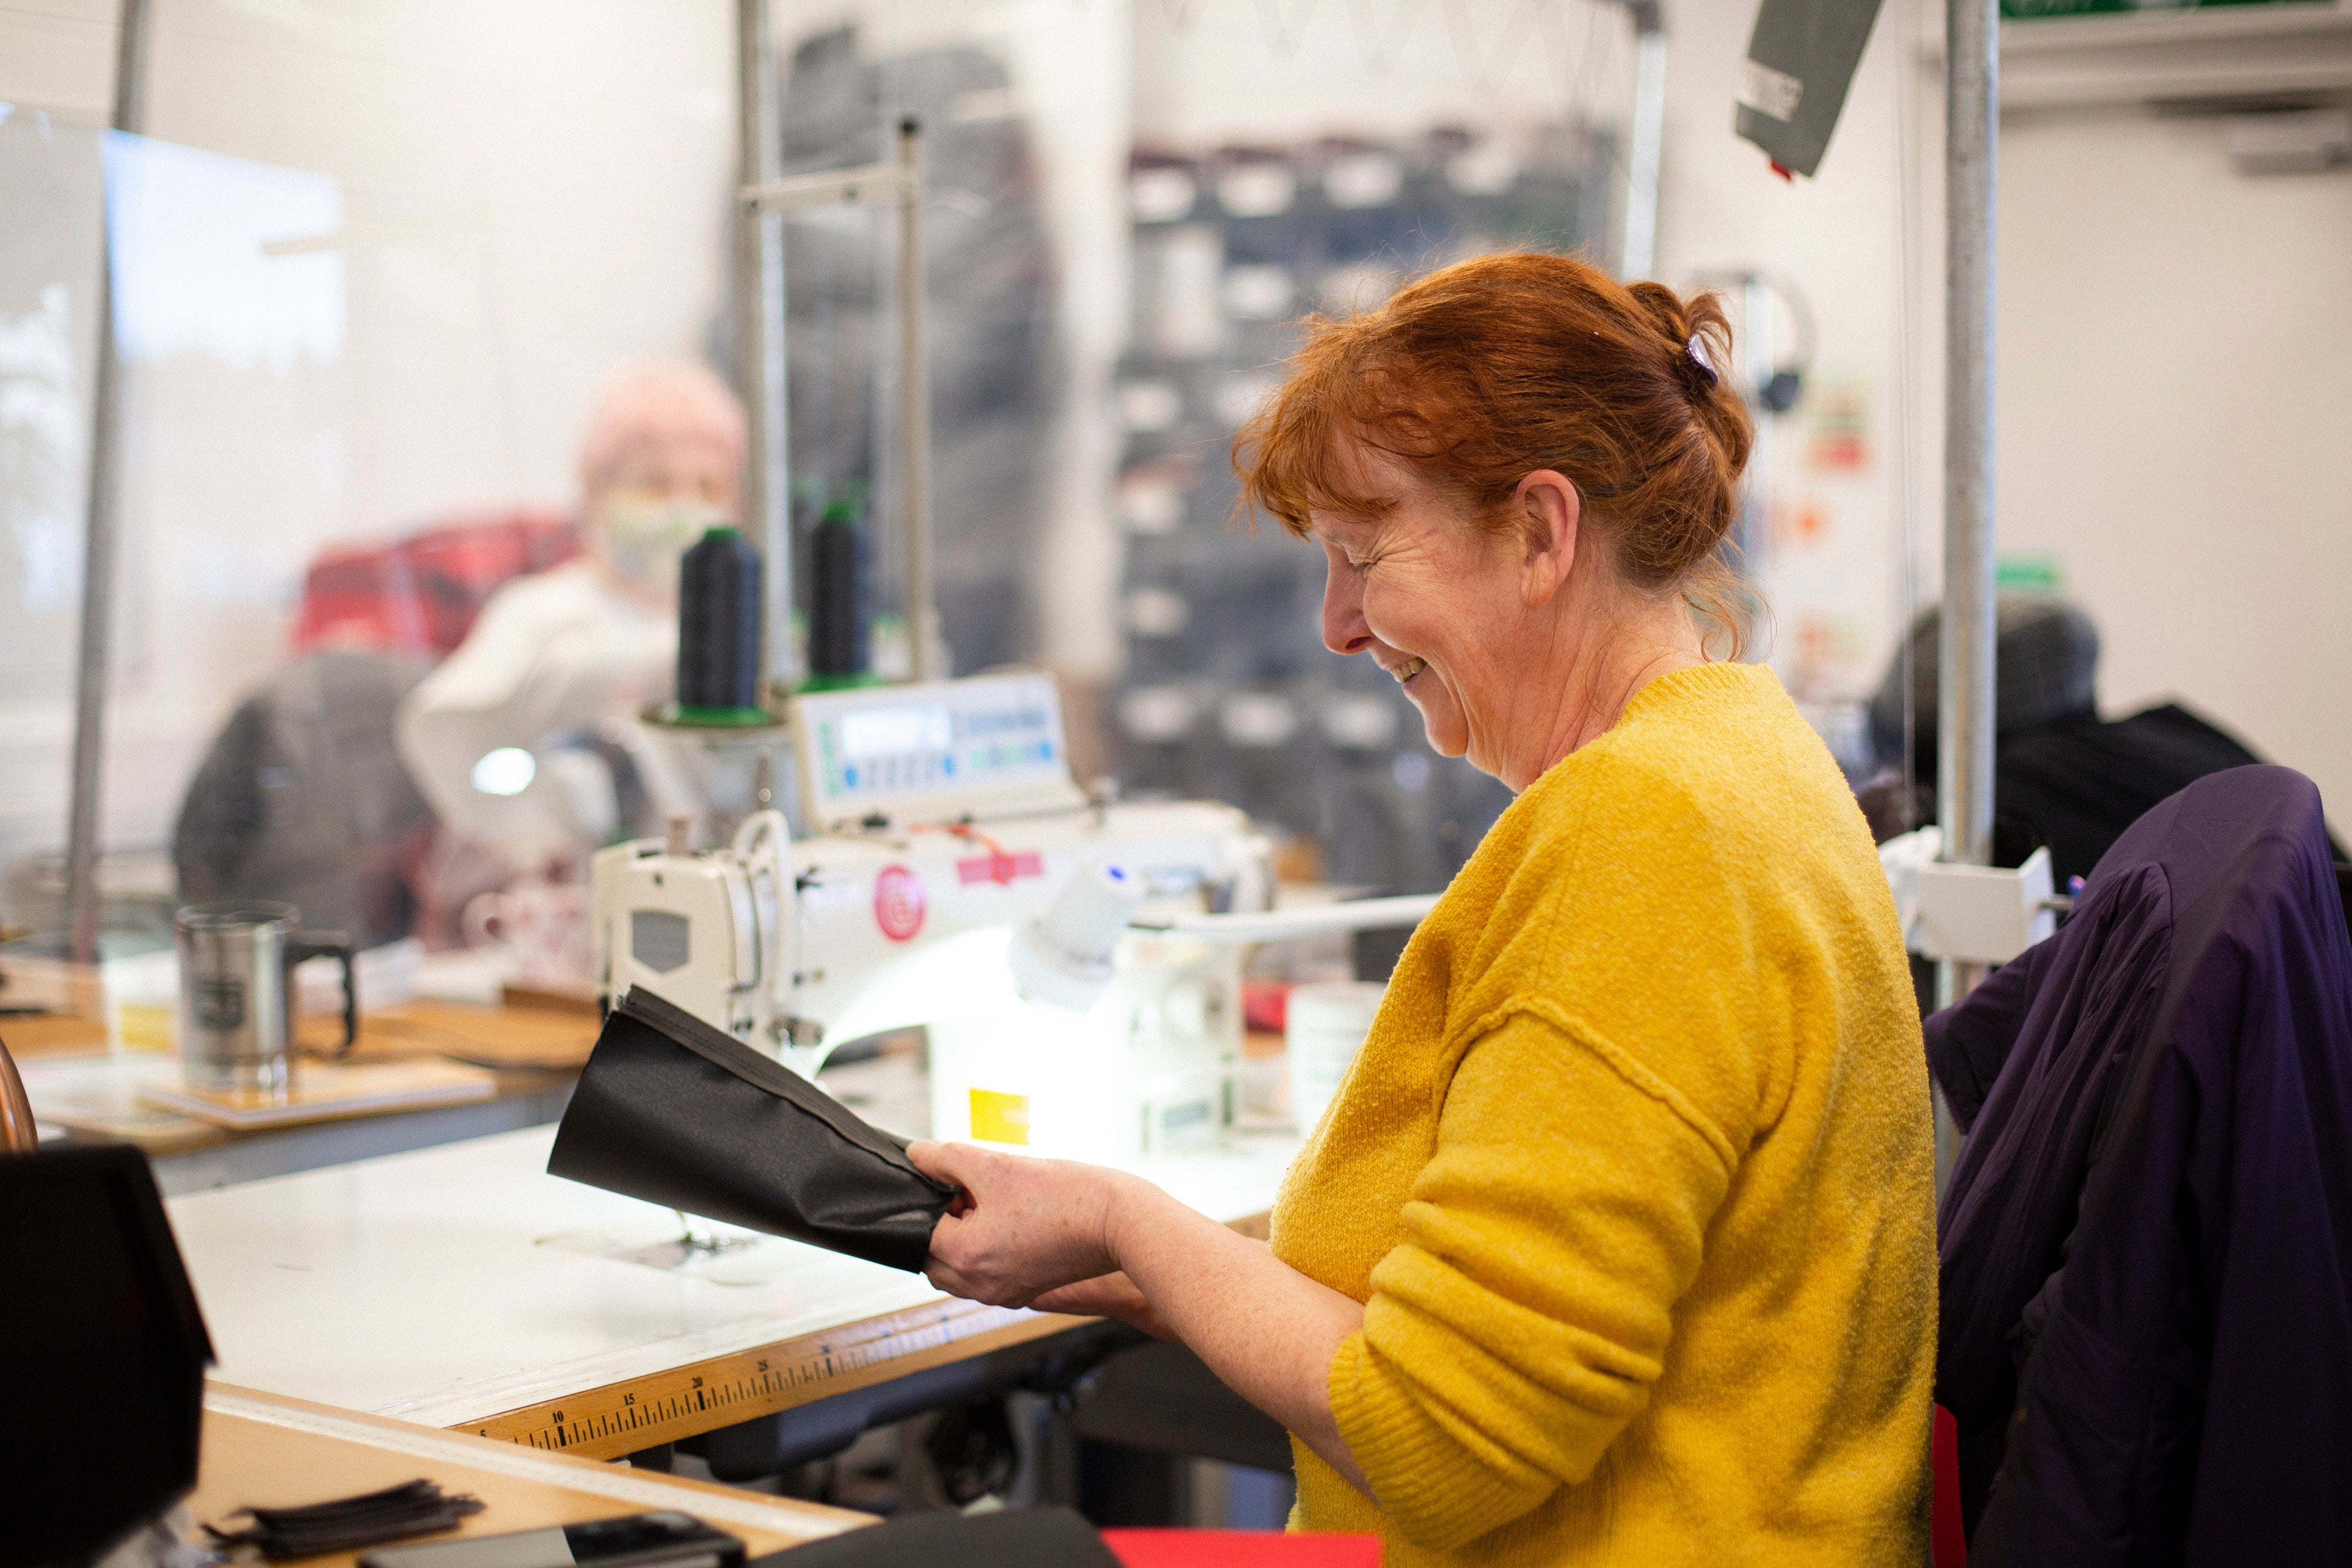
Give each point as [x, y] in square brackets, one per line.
[1366, 470]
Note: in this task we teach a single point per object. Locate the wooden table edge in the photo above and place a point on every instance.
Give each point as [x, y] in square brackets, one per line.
[630, 1414]
[611, 1419]
[847, 1518]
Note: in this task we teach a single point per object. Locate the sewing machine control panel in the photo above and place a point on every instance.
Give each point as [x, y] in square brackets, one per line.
[989, 745]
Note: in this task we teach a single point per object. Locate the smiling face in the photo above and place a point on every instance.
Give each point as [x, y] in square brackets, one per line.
[1438, 602]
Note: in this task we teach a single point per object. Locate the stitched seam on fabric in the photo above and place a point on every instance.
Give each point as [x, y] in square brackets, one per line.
[1617, 1061]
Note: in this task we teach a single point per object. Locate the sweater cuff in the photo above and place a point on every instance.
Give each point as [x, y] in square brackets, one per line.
[1436, 1493]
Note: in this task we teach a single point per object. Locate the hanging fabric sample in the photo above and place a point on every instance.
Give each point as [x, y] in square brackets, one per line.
[1792, 85]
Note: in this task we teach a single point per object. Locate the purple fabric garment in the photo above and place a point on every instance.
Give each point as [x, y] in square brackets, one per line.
[2147, 1244]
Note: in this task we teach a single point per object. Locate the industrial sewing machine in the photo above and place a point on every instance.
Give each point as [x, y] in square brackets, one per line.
[954, 876]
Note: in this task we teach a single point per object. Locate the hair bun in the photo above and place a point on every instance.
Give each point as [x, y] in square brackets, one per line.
[1664, 306]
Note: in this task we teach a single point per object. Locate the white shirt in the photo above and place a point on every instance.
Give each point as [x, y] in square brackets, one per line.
[557, 652]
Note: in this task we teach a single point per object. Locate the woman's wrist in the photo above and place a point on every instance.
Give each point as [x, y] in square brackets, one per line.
[1129, 1207]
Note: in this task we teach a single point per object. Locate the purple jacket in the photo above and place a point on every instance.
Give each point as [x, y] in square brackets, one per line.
[2147, 1326]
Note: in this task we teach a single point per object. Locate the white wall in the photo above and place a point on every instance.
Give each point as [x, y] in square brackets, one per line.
[533, 198]
[2176, 418]
[1208, 71]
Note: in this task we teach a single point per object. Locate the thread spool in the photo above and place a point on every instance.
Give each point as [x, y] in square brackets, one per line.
[719, 627]
[839, 652]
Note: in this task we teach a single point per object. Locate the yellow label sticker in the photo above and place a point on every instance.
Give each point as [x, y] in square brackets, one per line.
[1000, 1118]
[145, 1026]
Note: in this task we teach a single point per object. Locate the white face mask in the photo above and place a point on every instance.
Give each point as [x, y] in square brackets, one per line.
[645, 535]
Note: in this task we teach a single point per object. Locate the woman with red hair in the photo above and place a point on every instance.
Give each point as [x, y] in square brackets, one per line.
[1617, 1243]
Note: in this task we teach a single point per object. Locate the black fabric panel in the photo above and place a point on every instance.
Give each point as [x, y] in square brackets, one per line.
[674, 1111]
[1015, 1538]
[103, 1352]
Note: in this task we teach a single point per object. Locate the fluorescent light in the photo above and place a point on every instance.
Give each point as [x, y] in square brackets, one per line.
[508, 770]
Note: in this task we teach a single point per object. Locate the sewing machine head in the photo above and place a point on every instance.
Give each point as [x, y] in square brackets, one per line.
[944, 827]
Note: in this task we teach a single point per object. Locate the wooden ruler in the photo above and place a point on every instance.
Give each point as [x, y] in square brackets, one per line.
[663, 1407]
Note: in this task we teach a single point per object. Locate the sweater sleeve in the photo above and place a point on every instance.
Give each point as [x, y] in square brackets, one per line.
[1519, 1326]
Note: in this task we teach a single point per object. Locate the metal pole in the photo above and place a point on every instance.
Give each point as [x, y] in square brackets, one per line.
[1649, 136]
[760, 332]
[1964, 703]
[82, 893]
[923, 635]
[1965, 676]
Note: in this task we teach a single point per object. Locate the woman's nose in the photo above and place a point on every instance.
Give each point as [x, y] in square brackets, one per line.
[1344, 628]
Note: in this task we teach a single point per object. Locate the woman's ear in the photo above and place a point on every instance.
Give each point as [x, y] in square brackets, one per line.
[1549, 510]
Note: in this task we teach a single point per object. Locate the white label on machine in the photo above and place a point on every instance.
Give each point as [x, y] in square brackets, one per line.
[985, 746]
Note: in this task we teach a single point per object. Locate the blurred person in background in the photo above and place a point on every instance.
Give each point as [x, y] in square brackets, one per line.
[2062, 777]
[301, 800]
[525, 740]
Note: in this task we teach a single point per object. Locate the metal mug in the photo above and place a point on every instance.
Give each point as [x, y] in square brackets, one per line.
[236, 991]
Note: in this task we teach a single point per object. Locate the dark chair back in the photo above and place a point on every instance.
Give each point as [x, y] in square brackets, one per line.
[2144, 1338]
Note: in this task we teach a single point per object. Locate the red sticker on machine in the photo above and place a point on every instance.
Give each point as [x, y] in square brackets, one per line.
[898, 903]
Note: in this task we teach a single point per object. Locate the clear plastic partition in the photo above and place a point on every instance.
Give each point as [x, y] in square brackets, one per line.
[424, 337]
[50, 189]
[413, 313]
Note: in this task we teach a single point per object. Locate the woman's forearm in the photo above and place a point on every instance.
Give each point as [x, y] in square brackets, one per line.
[1267, 1329]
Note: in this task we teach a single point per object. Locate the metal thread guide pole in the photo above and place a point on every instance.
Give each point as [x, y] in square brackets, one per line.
[1640, 253]
[923, 635]
[83, 897]
[900, 181]
[1965, 674]
[1964, 706]
[759, 333]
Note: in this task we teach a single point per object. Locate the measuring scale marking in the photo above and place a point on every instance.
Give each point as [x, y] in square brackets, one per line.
[642, 1412]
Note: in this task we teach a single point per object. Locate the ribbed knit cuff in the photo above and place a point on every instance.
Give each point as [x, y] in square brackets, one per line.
[1435, 1493]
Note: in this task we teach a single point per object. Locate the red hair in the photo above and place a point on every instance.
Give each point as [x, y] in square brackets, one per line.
[1481, 373]
[655, 403]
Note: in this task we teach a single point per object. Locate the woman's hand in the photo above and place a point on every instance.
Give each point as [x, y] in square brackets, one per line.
[1068, 1238]
[1023, 1228]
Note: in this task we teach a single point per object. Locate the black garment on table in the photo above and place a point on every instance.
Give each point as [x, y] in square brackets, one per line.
[2147, 1244]
[675, 1112]
[1010, 1538]
[345, 1524]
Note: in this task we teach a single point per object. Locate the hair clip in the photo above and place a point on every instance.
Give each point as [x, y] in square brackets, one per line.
[1696, 353]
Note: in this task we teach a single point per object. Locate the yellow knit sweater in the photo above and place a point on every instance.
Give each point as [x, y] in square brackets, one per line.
[1634, 1175]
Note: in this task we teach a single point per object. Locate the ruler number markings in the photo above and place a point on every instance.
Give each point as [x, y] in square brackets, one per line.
[599, 1422]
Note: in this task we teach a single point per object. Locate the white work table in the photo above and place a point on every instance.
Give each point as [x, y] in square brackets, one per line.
[463, 1287]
